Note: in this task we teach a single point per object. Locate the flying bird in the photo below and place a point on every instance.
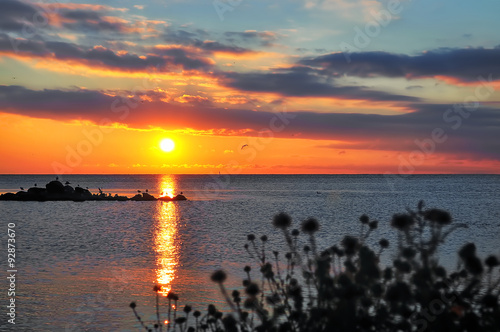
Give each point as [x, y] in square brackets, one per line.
[244, 146]
[21, 188]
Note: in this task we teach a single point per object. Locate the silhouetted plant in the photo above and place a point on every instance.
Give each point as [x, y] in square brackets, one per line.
[345, 288]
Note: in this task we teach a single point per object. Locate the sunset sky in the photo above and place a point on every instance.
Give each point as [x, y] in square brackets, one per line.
[295, 86]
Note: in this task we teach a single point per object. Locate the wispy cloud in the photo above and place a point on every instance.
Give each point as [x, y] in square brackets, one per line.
[356, 10]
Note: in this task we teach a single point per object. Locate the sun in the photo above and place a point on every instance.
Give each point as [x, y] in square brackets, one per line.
[167, 145]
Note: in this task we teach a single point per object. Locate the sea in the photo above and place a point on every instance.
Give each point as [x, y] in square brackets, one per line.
[80, 264]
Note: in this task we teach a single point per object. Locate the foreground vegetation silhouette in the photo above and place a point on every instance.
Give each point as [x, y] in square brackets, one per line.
[345, 288]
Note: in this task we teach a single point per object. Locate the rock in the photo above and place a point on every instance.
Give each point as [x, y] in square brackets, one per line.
[176, 198]
[180, 198]
[37, 191]
[55, 187]
[68, 189]
[148, 197]
[8, 197]
[56, 191]
[137, 197]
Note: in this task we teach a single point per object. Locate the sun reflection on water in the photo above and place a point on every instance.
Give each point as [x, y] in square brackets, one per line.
[167, 186]
[166, 243]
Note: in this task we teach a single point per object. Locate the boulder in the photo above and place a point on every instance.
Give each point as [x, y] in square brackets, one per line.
[37, 191]
[148, 197]
[68, 189]
[8, 197]
[55, 187]
[137, 197]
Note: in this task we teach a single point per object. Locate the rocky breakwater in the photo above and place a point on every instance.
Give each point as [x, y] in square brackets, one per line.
[56, 191]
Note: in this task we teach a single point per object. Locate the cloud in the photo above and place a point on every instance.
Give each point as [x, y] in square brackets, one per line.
[25, 18]
[98, 19]
[264, 38]
[414, 87]
[464, 64]
[38, 19]
[103, 57]
[15, 15]
[79, 6]
[357, 10]
[475, 136]
[198, 39]
[62, 104]
[303, 82]
[97, 29]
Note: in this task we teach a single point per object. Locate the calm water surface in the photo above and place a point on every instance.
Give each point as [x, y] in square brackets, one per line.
[81, 264]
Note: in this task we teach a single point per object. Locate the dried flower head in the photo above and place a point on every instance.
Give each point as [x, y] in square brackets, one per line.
[282, 220]
[364, 219]
[383, 243]
[219, 276]
[350, 243]
[310, 226]
[438, 216]
[211, 309]
[252, 289]
[492, 261]
[468, 250]
[474, 265]
[402, 221]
